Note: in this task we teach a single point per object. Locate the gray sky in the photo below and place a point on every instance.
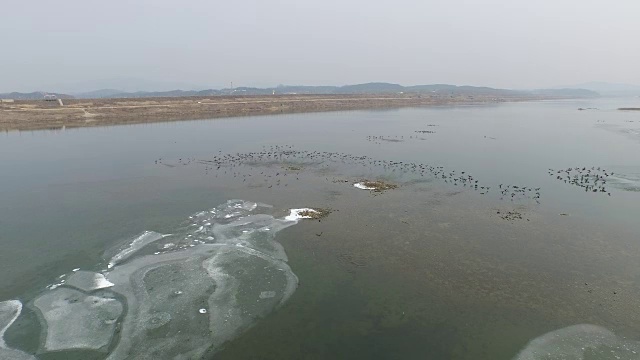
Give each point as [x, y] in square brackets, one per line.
[500, 43]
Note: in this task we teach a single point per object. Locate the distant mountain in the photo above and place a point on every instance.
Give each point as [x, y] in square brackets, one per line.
[579, 93]
[368, 88]
[146, 94]
[607, 89]
[462, 90]
[302, 89]
[103, 93]
[122, 84]
[38, 95]
[371, 88]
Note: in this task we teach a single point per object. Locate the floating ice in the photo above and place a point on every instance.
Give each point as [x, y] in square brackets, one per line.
[9, 312]
[580, 342]
[198, 291]
[245, 205]
[54, 286]
[150, 285]
[138, 243]
[196, 298]
[88, 281]
[12, 354]
[363, 186]
[74, 320]
[295, 214]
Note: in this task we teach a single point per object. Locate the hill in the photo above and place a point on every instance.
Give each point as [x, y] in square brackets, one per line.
[370, 88]
[578, 93]
[367, 88]
[37, 95]
[607, 89]
[97, 94]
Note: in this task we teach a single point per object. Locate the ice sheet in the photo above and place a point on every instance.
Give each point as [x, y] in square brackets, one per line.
[88, 281]
[185, 293]
[9, 312]
[74, 320]
[580, 342]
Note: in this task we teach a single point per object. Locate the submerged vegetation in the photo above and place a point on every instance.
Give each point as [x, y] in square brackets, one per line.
[292, 167]
[376, 186]
[315, 213]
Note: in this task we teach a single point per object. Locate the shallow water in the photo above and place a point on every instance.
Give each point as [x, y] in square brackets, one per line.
[438, 268]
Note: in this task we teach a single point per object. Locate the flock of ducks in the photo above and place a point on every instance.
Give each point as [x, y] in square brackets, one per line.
[515, 192]
[279, 165]
[379, 139]
[591, 179]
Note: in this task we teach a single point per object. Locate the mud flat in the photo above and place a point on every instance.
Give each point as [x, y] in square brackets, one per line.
[40, 115]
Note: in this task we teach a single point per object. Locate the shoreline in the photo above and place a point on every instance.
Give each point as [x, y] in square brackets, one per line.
[28, 115]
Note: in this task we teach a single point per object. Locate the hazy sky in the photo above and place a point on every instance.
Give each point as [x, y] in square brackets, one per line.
[500, 43]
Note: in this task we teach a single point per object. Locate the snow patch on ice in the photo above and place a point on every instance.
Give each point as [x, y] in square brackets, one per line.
[296, 214]
[138, 243]
[88, 281]
[362, 186]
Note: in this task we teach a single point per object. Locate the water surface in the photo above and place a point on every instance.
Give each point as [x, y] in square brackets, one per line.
[438, 268]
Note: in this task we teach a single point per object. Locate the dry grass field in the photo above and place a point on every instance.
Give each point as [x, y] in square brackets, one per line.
[40, 114]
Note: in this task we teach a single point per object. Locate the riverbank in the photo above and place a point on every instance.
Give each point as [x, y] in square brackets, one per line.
[41, 115]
